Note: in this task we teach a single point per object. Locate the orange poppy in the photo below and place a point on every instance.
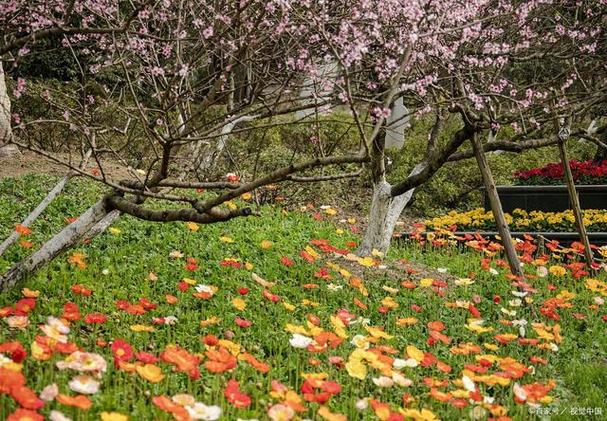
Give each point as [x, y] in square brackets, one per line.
[167, 405]
[10, 380]
[255, 363]
[22, 229]
[21, 414]
[79, 401]
[219, 360]
[185, 362]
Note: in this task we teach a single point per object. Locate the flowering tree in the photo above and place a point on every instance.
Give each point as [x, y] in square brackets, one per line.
[183, 76]
[515, 73]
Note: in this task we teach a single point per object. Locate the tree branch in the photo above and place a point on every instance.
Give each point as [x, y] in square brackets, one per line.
[434, 163]
[168, 215]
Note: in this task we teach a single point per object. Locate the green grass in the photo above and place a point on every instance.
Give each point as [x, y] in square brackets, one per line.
[579, 367]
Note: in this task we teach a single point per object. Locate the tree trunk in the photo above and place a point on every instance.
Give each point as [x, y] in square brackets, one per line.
[66, 238]
[6, 133]
[385, 211]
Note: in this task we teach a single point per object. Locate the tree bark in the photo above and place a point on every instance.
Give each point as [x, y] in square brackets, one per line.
[385, 211]
[6, 133]
[66, 238]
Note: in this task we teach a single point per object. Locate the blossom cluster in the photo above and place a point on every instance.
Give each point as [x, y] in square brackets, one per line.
[584, 172]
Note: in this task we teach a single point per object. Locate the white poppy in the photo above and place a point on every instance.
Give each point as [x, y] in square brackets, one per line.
[519, 392]
[49, 393]
[300, 341]
[399, 363]
[401, 380]
[362, 404]
[84, 384]
[383, 381]
[468, 384]
[203, 288]
[515, 303]
[58, 416]
[200, 411]
[542, 271]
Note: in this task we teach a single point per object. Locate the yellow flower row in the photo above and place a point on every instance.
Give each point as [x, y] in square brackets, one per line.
[479, 219]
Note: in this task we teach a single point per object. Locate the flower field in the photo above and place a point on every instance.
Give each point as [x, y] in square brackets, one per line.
[585, 172]
[479, 219]
[274, 318]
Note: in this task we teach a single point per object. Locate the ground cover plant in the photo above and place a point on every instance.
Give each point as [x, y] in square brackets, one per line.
[270, 317]
[584, 172]
[479, 219]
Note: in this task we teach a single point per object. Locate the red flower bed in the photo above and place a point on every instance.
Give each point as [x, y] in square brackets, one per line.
[586, 172]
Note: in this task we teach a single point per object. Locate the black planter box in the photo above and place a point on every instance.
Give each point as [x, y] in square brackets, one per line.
[549, 198]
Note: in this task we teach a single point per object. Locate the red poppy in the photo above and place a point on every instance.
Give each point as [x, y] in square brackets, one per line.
[24, 306]
[26, 397]
[122, 351]
[146, 358]
[235, 396]
[416, 308]
[272, 297]
[243, 322]
[286, 261]
[71, 312]
[81, 290]
[191, 264]
[14, 349]
[210, 340]
[95, 318]
[148, 305]
[230, 263]
[323, 273]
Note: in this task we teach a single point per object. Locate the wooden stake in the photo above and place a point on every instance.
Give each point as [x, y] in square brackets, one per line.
[496, 207]
[575, 202]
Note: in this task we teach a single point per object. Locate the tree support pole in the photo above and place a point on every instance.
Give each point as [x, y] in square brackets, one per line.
[496, 207]
[575, 201]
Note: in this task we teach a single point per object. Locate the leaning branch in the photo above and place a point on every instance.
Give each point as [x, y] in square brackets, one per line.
[280, 175]
[507, 146]
[170, 215]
